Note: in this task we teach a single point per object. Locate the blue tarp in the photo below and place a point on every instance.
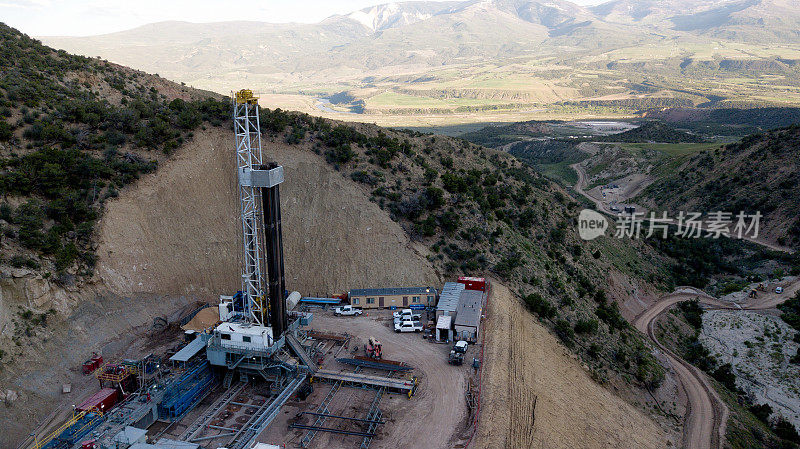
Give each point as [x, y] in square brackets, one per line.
[312, 300]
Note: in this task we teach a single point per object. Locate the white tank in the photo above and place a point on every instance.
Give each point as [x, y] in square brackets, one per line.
[292, 300]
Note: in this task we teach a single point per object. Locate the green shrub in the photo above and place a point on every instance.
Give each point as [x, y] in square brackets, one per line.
[762, 412]
[449, 221]
[786, 430]
[66, 256]
[693, 313]
[540, 306]
[19, 261]
[609, 313]
[724, 374]
[565, 332]
[586, 326]
[5, 131]
[434, 198]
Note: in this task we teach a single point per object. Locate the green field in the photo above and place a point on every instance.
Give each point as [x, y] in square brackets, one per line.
[671, 149]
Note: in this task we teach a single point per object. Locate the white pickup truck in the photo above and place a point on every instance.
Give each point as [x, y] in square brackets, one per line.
[347, 311]
[406, 315]
[408, 326]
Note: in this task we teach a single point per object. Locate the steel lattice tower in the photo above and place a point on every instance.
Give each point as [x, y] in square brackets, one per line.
[249, 158]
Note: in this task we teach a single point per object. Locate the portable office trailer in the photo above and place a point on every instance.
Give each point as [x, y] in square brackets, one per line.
[473, 283]
[398, 297]
[444, 328]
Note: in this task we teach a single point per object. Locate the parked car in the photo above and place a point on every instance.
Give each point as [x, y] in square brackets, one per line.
[408, 326]
[779, 290]
[347, 311]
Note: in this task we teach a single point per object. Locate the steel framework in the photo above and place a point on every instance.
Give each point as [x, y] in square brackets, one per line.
[249, 157]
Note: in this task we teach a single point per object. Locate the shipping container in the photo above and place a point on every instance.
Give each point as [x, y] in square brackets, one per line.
[103, 400]
[473, 283]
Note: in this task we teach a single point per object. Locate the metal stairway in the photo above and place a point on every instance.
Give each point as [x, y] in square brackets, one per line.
[301, 352]
[322, 410]
[374, 414]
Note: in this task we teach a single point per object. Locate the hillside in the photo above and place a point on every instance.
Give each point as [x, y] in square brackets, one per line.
[655, 131]
[73, 131]
[442, 63]
[759, 173]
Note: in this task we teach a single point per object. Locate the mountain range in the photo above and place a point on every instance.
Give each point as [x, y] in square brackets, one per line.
[433, 57]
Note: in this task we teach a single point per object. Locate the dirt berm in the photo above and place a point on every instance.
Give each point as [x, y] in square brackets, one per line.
[536, 394]
[178, 231]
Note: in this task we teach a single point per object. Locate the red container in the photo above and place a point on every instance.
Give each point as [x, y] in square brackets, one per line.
[471, 283]
[103, 400]
[97, 360]
[88, 367]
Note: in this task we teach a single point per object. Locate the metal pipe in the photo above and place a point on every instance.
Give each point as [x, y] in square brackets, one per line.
[211, 437]
[244, 405]
[330, 430]
[344, 417]
[271, 201]
[223, 428]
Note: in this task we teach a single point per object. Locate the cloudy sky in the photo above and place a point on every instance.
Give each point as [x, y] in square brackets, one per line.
[88, 17]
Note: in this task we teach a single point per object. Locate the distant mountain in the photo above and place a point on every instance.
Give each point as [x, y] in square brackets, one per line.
[393, 15]
[540, 52]
[747, 20]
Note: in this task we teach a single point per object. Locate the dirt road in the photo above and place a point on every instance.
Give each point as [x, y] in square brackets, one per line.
[707, 414]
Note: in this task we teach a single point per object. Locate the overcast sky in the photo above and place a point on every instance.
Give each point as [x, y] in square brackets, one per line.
[89, 17]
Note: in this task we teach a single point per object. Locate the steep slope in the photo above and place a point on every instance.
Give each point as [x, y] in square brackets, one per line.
[532, 389]
[72, 132]
[363, 205]
[334, 238]
[759, 173]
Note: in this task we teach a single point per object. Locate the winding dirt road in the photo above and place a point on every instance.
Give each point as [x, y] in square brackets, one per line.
[707, 414]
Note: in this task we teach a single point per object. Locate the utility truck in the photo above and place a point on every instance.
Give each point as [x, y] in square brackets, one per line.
[347, 311]
[457, 353]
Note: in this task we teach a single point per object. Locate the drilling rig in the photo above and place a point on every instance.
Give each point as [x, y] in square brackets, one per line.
[255, 321]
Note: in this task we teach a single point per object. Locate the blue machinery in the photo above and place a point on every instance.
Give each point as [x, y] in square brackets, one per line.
[75, 432]
[185, 392]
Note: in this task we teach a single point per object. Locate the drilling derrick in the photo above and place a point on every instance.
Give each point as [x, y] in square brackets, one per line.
[249, 158]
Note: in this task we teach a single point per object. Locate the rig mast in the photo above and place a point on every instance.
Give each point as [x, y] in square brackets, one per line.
[248, 156]
[259, 196]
